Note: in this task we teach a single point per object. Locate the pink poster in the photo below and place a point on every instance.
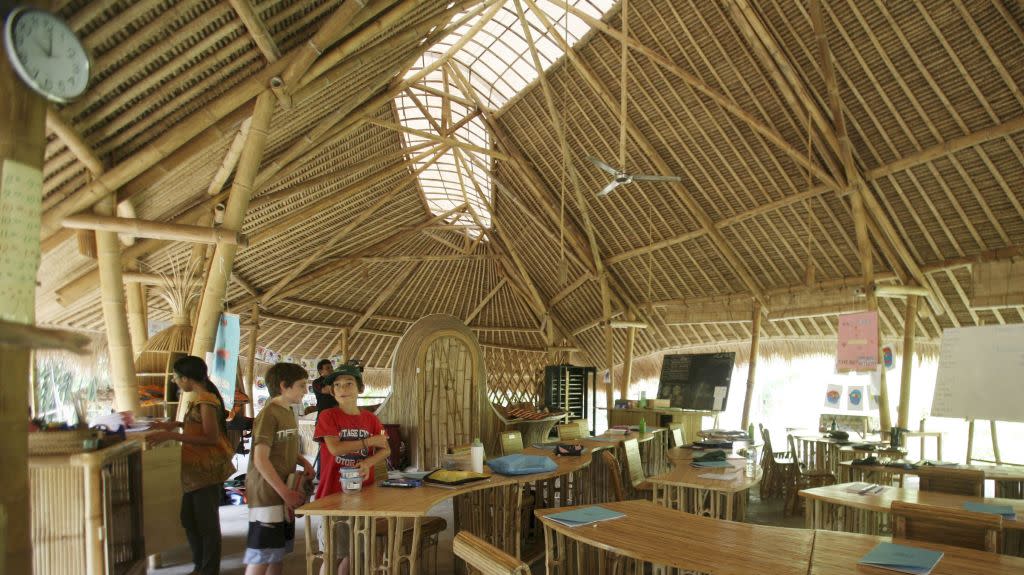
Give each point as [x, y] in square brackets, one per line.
[858, 342]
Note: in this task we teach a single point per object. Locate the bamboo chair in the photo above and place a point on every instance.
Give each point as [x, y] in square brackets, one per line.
[636, 467]
[949, 526]
[569, 431]
[615, 473]
[678, 434]
[777, 467]
[484, 558]
[511, 442]
[803, 479]
[956, 481]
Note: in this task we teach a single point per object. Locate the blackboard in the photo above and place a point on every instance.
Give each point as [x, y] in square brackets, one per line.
[696, 381]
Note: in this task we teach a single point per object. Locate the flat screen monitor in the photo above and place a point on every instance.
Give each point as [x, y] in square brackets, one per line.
[698, 381]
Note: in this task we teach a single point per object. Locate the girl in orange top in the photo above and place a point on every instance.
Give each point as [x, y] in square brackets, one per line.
[205, 461]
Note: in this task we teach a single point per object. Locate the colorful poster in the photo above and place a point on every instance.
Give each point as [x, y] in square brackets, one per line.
[223, 361]
[21, 192]
[858, 342]
[855, 398]
[833, 395]
[887, 357]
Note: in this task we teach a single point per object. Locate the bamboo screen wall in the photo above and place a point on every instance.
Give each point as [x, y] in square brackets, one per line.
[446, 393]
[514, 376]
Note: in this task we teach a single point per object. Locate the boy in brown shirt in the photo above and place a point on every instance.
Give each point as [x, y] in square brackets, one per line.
[275, 453]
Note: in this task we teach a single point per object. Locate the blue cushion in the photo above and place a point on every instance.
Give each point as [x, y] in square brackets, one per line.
[519, 464]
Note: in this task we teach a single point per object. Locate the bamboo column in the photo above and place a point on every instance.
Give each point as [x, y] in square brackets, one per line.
[755, 347]
[250, 372]
[115, 318]
[609, 347]
[627, 363]
[344, 345]
[22, 140]
[909, 324]
[212, 302]
[137, 324]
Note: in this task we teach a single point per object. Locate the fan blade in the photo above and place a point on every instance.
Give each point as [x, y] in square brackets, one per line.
[603, 165]
[608, 189]
[657, 179]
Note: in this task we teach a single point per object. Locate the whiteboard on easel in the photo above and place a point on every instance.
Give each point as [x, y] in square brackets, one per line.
[981, 370]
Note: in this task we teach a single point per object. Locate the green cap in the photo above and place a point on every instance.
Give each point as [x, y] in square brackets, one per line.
[344, 369]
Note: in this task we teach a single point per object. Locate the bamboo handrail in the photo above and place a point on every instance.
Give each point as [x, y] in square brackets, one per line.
[156, 230]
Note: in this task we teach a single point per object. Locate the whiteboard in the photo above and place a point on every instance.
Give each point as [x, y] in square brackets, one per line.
[981, 373]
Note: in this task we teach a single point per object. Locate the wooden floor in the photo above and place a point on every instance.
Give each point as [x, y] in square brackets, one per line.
[234, 525]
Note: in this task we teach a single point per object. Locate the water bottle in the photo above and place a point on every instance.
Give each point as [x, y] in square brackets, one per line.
[643, 400]
[642, 428]
[749, 469]
[476, 456]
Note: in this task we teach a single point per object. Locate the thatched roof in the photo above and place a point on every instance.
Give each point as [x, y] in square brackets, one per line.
[731, 96]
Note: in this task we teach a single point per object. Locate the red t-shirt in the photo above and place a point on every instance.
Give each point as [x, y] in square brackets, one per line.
[336, 423]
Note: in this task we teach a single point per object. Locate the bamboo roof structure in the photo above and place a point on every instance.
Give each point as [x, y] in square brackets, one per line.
[407, 174]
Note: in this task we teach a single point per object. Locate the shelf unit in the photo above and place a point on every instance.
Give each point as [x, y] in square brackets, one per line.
[567, 387]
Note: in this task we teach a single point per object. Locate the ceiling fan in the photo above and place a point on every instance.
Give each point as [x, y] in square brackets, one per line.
[621, 177]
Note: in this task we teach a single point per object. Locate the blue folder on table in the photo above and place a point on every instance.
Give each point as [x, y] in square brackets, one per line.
[1005, 510]
[902, 558]
[584, 516]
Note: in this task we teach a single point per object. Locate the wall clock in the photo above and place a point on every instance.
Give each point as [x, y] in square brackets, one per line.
[46, 54]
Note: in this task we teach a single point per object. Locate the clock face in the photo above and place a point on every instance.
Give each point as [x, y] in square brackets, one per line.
[46, 54]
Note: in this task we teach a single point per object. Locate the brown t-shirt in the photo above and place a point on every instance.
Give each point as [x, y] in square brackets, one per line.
[276, 428]
[203, 465]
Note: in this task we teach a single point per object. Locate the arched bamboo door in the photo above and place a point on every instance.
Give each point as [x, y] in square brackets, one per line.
[447, 387]
[438, 390]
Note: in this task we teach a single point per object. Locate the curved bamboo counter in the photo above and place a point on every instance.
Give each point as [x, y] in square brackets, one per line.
[684, 489]
[489, 509]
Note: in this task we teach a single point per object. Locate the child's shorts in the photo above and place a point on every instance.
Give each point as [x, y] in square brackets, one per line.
[271, 536]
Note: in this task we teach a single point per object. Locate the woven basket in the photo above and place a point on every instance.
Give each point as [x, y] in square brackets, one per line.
[62, 442]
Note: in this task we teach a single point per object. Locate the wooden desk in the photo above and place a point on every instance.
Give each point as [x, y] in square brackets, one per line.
[679, 455]
[833, 508]
[1008, 479]
[489, 509]
[653, 446]
[818, 452]
[660, 417]
[838, 553]
[684, 489]
[655, 535]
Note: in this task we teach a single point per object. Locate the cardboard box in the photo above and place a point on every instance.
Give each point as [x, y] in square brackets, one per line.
[657, 403]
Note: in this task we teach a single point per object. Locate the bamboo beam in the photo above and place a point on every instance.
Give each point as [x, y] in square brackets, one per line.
[344, 233]
[487, 298]
[909, 325]
[257, 30]
[250, 371]
[230, 160]
[609, 347]
[630, 324]
[397, 281]
[29, 337]
[755, 346]
[74, 142]
[122, 366]
[238, 202]
[640, 139]
[901, 291]
[22, 140]
[328, 33]
[437, 138]
[156, 230]
[344, 345]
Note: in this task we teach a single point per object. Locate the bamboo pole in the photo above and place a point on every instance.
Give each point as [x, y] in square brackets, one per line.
[73, 141]
[257, 29]
[755, 346]
[344, 345]
[627, 363]
[156, 230]
[122, 365]
[22, 140]
[909, 324]
[250, 371]
[609, 347]
[136, 294]
[995, 442]
[238, 202]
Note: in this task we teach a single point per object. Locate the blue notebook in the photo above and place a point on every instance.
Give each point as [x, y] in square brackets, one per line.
[585, 516]
[704, 464]
[902, 558]
[1005, 510]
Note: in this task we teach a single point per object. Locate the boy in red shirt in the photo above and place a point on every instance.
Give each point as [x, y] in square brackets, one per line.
[349, 437]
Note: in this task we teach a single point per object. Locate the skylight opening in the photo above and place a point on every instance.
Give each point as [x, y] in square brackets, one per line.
[497, 64]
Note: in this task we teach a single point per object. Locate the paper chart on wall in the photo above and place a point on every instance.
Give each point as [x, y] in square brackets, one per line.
[855, 398]
[833, 396]
[20, 206]
[858, 342]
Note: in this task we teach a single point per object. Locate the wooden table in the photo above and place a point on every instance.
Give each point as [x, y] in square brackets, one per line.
[834, 508]
[669, 539]
[1008, 479]
[681, 455]
[838, 554]
[818, 452]
[489, 509]
[653, 446]
[684, 489]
